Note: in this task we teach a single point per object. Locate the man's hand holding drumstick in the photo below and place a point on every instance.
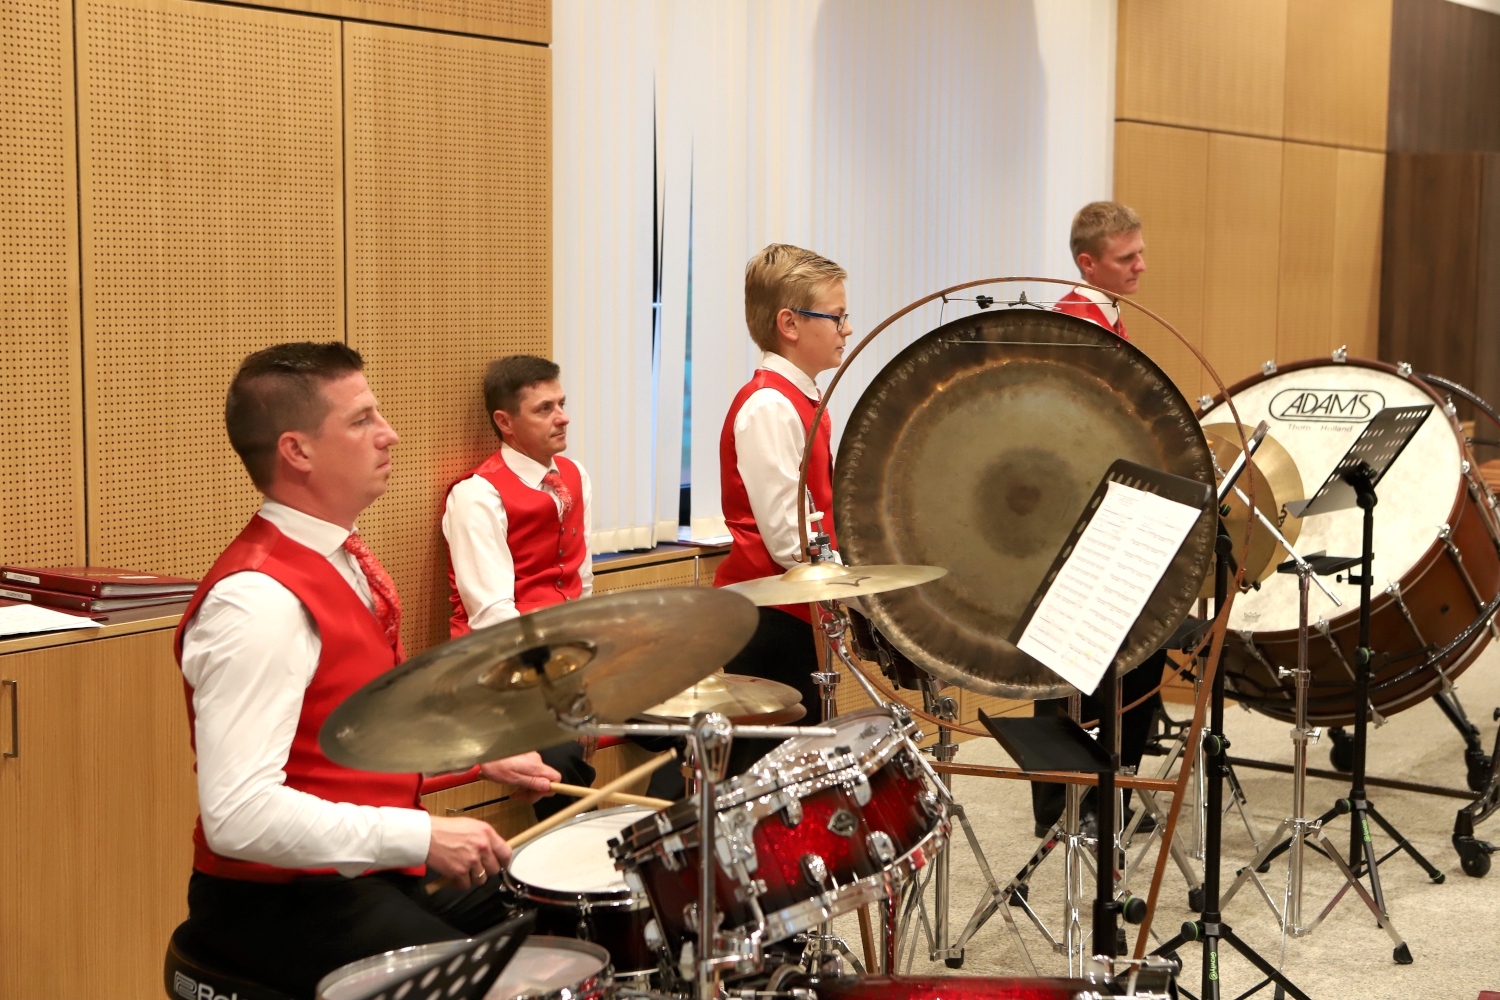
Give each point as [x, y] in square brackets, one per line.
[467, 851]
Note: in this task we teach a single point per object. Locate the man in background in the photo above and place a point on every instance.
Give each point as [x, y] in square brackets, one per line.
[1110, 252]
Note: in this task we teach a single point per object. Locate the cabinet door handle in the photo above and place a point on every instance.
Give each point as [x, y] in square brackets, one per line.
[15, 712]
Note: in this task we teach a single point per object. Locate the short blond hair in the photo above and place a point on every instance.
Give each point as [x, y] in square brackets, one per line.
[1098, 221]
[783, 277]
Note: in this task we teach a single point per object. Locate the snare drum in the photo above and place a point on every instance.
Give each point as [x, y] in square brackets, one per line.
[544, 968]
[816, 828]
[1436, 557]
[569, 878]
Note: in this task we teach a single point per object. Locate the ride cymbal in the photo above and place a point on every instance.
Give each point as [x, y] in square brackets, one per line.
[829, 581]
[500, 691]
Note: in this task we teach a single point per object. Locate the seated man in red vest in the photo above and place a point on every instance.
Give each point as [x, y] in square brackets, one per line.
[517, 527]
[797, 311]
[1110, 252]
[301, 865]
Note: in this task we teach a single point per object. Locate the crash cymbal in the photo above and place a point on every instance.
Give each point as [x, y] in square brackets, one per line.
[500, 690]
[1276, 464]
[976, 448]
[735, 695]
[1258, 560]
[829, 581]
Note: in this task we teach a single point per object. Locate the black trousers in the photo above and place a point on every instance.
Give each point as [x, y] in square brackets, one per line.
[1047, 799]
[782, 649]
[567, 759]
[290, 936]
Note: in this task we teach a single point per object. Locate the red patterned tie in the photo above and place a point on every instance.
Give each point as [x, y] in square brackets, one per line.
[382, 589]
[564, 495]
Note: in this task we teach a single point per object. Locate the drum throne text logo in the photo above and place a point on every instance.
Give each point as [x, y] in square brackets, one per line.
[1350, 406]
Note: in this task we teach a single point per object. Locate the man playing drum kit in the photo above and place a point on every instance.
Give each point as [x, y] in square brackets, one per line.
[301, 865]
[504, 520]
[797, 311]
[1109, 250]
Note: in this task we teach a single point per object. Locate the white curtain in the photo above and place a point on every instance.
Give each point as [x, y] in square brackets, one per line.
[919, 145]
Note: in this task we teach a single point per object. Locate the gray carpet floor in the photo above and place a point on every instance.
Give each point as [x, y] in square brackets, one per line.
[1453, 928]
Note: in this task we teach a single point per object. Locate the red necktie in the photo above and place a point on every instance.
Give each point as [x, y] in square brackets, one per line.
[382, 589]
[564, 495]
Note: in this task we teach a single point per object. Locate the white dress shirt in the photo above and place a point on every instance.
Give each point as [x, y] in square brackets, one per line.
[477, 529]
[1107, 305]
[768, 442]
[249, 653]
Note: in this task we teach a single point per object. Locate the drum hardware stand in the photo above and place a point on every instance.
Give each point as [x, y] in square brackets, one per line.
[1302, 832]
[1210, 928]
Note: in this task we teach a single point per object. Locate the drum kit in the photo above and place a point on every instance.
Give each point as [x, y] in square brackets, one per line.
[962, 467]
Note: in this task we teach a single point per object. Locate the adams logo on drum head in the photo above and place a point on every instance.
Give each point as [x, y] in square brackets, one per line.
[1345, 406]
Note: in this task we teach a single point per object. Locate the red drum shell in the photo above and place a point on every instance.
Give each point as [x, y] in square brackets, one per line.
[946, 988]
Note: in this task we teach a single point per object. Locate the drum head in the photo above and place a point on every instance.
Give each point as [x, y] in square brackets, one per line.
[862, 732]
[1315, 413]
[546, 966]
[573, 859]
[365, 977]
[976, 450]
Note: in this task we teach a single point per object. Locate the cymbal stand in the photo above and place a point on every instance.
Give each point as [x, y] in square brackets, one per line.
[1210, 928]
[1302, 832]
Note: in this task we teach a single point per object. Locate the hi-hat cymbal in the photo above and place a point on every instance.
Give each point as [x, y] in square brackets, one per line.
[829, 581]
[499, 691]
[738, 696]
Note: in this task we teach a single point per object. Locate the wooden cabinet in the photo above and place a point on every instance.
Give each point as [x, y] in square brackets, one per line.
[96, 815]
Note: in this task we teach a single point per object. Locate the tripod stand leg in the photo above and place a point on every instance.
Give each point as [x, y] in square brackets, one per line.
[1404, 844]
[1402, 953]
[1266, 968]
[1275, 846]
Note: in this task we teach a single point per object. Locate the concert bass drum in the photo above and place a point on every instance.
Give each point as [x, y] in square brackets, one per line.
[1437, 545]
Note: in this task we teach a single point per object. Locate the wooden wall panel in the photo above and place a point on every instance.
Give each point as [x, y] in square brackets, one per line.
[1214, 64]
[211, 171]
[1445, 78]
[1309, 208]
[1357, 253]
[520, 20]
[1428, 301]
[448, 265]
[1242, 255]
[1163, 174]
[41, 416]
[1338, 57]
[1486, 377]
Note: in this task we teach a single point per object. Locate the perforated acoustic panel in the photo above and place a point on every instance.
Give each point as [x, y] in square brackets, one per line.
[41, 427]
[212, 226]
[449, 266]
[521, 20]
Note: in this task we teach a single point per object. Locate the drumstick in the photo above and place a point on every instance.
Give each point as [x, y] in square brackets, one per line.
[593, 798]
[624, 798]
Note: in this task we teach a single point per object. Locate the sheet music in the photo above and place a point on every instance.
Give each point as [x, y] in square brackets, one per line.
[1105, 583]
[21, 619]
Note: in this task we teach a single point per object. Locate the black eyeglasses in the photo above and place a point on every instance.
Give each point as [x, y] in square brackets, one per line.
[839, 322]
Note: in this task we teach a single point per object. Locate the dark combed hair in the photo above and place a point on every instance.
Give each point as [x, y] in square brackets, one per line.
[505, 379]
[280, 389]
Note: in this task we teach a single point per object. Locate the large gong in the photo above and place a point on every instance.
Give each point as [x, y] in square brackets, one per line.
[976, 449]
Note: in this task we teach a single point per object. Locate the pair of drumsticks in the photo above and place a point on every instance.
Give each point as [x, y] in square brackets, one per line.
[590, 798]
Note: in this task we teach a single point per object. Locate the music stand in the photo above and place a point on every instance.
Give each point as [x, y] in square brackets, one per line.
[1352, 484]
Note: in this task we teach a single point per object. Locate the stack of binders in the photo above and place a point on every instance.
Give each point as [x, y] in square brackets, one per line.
[92, 590]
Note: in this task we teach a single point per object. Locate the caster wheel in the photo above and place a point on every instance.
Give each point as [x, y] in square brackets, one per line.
[1402, 955]
[1341, 754]
[1479, 772]
[1475, 860]
[1023, 891]
[1195, 899]
[954, 963]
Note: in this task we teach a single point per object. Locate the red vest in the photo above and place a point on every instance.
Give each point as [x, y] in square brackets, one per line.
[355, 651]
[547, 551]
[749, 559]
[1075, 303]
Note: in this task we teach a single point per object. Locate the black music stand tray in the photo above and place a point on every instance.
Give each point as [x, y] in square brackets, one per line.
[1352, 484]
[469, 974]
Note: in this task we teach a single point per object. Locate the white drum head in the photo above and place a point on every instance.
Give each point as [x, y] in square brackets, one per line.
[544, 969]
[860, 731]
[574, 857]
[1316, 414]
